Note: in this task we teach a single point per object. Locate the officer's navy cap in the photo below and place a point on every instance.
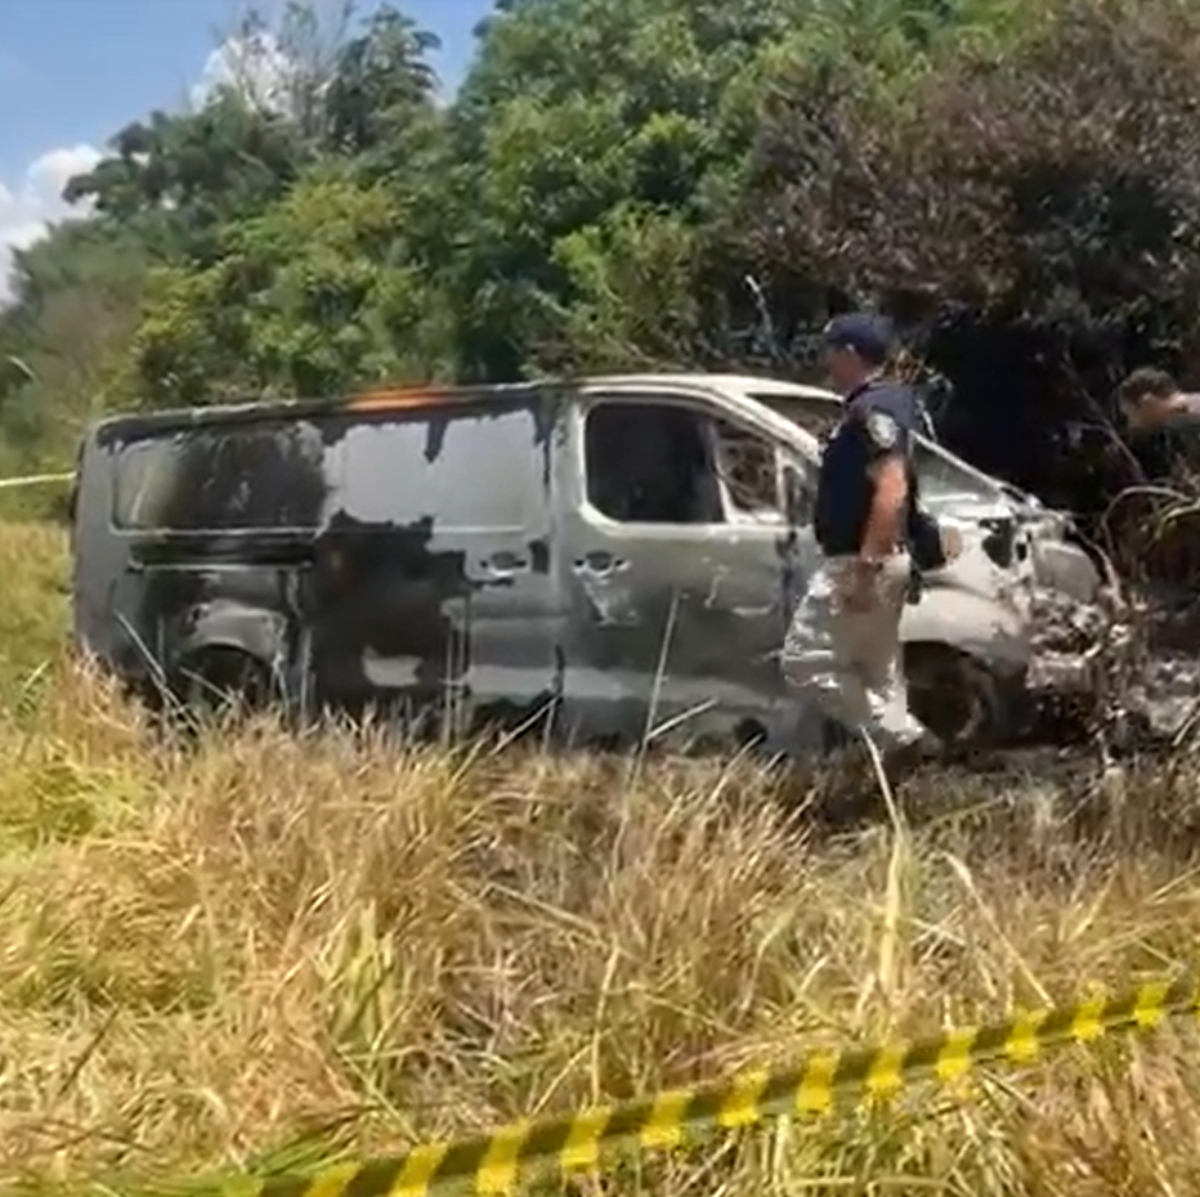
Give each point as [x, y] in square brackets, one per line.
[869, 336]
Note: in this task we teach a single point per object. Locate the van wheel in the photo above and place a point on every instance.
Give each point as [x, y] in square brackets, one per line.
[954, 694]
[220, 679]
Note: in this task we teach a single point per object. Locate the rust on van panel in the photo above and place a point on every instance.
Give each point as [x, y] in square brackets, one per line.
[402, 398]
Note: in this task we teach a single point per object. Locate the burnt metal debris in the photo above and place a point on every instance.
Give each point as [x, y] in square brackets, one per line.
[1110, 655]
[621, 555]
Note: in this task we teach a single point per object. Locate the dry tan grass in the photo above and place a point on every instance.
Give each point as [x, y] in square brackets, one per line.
[210, 952]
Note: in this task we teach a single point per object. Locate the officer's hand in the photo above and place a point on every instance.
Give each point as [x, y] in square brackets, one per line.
[952, 542]
[858, 586]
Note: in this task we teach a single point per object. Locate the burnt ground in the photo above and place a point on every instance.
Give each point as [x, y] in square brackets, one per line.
[1131, 736]
[1069, 793]
[1141, 657]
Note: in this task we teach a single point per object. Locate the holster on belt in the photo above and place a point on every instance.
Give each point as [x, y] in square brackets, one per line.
[916, 585]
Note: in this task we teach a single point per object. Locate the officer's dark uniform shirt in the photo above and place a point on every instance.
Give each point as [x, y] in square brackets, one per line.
[879, 419]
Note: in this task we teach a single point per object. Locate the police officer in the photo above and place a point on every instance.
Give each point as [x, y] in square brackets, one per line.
[843, 648]
[1161, 422]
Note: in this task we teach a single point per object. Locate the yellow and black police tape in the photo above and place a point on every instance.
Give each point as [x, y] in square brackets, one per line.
[583, 1142]
[34, 480]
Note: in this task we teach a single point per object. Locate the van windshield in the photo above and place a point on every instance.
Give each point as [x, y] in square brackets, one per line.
[943, 476]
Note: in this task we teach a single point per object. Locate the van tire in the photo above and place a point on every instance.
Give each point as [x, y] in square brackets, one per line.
[955, 695]
[221, 678]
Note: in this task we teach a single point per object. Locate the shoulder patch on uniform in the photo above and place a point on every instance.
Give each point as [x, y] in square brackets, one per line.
[883, 429]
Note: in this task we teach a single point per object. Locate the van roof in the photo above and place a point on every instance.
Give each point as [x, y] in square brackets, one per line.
[375, 399]
[434, 395]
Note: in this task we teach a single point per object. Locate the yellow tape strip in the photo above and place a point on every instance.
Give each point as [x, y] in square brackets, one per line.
[34, 480]
[493, 1164]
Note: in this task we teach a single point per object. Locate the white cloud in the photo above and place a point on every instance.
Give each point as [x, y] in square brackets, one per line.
[253, 65]
[29, 205]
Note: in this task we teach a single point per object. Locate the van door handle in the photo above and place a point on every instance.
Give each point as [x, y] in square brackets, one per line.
[504, 564]
[600, 563]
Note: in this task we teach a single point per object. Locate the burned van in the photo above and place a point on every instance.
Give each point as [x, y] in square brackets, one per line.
[617, 557]
[391, 546]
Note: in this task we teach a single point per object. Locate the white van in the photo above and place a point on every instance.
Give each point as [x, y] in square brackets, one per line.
[621, 556]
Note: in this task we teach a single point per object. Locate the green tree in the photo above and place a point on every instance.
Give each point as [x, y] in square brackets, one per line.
[308, 298]
[381, 80]
[78, 294]
[595, 196]
[178, 178]
[278, 217]
[581, 115]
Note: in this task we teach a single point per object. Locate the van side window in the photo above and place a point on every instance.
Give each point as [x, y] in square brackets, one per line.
[817, 416]
[236, 478]
[464, 469]
[648, 463]
[748, 466]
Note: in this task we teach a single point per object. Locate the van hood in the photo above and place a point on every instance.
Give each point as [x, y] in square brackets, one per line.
[1007, 502]
[981, 497]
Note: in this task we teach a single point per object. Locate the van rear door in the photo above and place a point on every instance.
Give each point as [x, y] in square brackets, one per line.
[192, 534]
[97, 557]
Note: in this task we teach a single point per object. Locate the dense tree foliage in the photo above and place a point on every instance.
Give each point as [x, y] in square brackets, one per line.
[1019, 184]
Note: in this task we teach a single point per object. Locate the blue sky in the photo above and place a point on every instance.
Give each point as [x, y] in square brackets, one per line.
[72, 72]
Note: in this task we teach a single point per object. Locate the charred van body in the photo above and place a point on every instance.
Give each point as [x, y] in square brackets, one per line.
[620, 556]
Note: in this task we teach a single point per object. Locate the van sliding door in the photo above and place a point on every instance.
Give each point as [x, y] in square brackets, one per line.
[434, 585]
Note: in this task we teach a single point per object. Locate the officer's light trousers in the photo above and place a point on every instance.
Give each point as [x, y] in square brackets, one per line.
[847, 662]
